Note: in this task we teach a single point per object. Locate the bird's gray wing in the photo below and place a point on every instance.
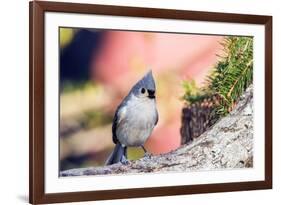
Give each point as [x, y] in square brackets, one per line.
[114, 127]
[117, 119]
[156, 120]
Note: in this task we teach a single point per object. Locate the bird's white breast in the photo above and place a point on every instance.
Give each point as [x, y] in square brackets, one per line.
[139, 116]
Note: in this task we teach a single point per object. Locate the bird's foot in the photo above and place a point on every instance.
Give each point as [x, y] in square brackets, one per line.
[147, 155]
[124, 160]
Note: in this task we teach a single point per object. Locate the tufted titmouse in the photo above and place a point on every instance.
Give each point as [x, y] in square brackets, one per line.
[134, 119]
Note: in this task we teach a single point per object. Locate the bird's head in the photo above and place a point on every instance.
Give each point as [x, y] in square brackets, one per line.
[145, 88]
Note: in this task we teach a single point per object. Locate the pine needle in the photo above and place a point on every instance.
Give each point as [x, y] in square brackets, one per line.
[229, 78]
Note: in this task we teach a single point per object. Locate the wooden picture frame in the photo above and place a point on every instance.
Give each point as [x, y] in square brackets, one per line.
[37, 10]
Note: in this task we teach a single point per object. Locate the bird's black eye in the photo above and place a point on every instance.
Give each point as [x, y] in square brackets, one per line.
[142, 90]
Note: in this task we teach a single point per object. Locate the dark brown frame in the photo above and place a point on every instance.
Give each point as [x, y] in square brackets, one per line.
[37, 94]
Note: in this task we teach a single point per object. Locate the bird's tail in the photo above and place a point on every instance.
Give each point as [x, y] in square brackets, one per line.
[118, 154]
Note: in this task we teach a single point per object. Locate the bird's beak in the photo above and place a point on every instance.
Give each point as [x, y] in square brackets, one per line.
[151, 94]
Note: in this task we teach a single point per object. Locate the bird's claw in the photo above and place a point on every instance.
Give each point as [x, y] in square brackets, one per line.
[124, 160]
[147, 155]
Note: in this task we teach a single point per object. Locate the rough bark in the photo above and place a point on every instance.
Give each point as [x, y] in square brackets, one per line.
[227, 144]
[196, 119]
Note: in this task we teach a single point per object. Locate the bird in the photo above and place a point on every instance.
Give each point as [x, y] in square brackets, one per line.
[134, 119]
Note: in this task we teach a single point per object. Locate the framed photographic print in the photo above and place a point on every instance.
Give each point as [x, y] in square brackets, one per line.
[139, 102]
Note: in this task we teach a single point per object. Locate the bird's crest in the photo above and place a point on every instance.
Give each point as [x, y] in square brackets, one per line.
[146, 82]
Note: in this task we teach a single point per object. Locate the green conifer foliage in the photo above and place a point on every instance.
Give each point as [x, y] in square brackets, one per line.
[229, 78]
